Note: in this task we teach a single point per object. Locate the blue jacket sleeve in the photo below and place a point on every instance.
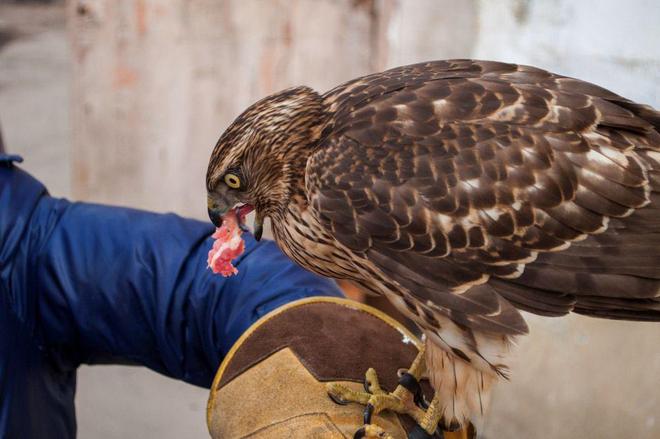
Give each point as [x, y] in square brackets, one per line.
[117, 285]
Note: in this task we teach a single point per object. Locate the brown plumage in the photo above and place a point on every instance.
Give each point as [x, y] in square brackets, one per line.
[464, 191]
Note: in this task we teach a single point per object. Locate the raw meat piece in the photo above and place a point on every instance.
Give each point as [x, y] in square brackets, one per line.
[227, 246]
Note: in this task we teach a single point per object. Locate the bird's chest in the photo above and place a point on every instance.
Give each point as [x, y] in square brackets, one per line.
[302, 238]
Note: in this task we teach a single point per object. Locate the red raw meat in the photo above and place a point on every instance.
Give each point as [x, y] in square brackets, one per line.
[228, 245]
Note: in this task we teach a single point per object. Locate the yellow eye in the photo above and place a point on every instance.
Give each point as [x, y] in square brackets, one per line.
[232, 181]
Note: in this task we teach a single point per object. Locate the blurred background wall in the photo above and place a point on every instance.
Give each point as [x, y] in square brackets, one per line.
[121, 101]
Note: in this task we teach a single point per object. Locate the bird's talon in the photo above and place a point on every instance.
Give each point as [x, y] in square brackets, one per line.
[340, 394]
[336, 399]
[360, 433]
[368, 413]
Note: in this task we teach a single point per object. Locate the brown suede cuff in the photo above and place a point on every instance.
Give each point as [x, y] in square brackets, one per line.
[335, 342]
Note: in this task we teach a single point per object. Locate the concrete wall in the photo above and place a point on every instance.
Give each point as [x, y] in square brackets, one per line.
[153, 84]
[156, 82]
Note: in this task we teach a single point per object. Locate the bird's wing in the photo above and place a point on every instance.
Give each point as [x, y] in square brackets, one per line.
[466, 183]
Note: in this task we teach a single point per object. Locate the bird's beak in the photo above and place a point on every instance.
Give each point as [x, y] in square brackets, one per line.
[216, 216]
[219, 204]
[217, 207]
[258, 226]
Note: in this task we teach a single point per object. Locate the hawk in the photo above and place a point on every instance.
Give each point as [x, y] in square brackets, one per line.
[464, 191]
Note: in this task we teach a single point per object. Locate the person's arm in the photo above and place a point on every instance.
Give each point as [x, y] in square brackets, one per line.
[111, 284]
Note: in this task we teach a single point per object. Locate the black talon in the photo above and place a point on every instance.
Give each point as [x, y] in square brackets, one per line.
[412, 385]
[337, 400]
[419, 433]
[368, 413]
[360, 433]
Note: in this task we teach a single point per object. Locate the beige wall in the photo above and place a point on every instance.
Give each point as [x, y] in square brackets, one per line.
[153, 83]
[156, 82]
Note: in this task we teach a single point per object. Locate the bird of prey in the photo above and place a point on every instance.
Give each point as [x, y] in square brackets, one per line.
[464, 191]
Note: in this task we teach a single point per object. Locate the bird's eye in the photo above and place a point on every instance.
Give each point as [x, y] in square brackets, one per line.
[233, 181]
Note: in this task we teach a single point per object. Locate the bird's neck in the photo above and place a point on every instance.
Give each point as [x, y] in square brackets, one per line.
[297, 157]
[301, 125]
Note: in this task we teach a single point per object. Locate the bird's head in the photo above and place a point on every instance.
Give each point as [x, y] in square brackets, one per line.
[261, 156]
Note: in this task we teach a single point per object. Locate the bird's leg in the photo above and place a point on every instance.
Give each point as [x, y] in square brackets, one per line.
[427, 426]
[406, 398]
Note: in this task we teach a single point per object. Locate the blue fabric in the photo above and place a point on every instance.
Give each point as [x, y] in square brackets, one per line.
[84, 283]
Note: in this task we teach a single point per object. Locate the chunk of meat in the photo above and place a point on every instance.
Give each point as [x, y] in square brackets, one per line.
[228, 245]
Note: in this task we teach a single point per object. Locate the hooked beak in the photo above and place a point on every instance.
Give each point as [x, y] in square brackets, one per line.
[218, 206]
[258, 226]
[215, 216]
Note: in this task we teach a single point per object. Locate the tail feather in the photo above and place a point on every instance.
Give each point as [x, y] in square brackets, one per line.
[620, 309]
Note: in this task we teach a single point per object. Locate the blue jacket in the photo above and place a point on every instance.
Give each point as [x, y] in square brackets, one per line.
[84, 283]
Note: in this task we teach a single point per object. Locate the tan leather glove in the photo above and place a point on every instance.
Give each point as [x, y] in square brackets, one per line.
[272, 384]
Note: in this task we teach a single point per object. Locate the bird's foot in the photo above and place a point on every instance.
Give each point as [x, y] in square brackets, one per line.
[406, 399]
